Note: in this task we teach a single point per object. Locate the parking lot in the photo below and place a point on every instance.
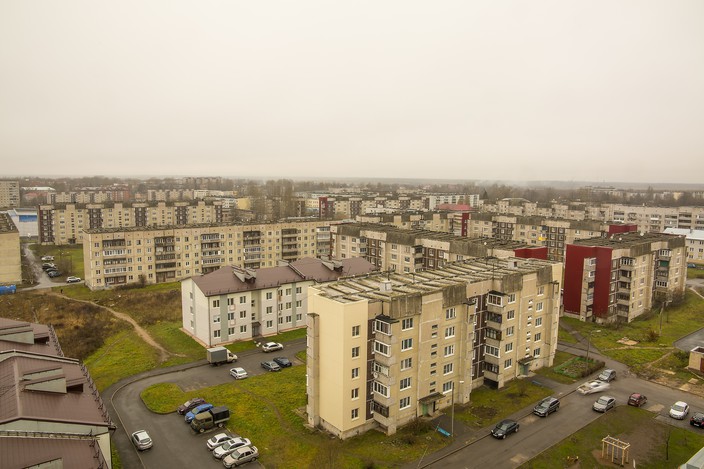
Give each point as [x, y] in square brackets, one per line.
[175, 444]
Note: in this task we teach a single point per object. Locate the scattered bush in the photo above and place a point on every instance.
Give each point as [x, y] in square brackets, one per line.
[651, 335]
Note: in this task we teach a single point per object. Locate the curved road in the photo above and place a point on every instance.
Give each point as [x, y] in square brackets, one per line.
[175, 445]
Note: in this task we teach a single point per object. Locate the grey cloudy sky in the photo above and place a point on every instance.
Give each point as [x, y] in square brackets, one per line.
[601, 90]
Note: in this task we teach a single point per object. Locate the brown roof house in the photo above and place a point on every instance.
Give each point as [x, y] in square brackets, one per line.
[51, 414]
[233, 303]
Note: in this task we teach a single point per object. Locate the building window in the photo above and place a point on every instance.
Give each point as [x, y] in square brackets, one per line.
[407, 324]
[449, 332]
[508, 363]
[446, 387]
[216, 319]
[355, 373]
[510, 315]
[355, 393]
[230, 330]
[382, 348]
[447, 369]
[230, 301]
[216, 333]
[270, 324]
[216, 303]
[538, 322]
[541, 290]
[243, 314]
[494, 299]
[269, 295]
[491, 350]
[536, 352]
[355, 414]
[406, 363]
[511, 297]
[269, 309]
[406, 344]
[404, 403]
[539, 306]
[509, 331]
[405, 383]
[508, 347]
[380, 389]
[299, 289]
[355, 352]
[537, 337]
[243, 328]
[450, 313]
[355, 331]
[383, 327]
[449, 350]
[243, 299]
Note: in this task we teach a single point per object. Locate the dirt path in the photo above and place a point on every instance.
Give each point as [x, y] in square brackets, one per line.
[163, 353]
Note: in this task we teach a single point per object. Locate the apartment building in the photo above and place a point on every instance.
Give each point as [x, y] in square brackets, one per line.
[694, 243]
[64, 224]
[386, 349]
[445, 222]
[90, 196]
[120, 256]
[10, 256]
[405, 250]
[9, 194]
[339, 207]
[434, 201]
[51, 414]
[233, 303]
[553, 233]
[619, 278]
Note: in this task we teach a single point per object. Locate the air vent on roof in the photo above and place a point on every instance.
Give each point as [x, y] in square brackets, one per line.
[385, 286]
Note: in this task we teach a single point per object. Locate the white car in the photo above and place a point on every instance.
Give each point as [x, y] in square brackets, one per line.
[241, 455]
[272, 347]
[73, 279]
[230, 446]
[141, 440]
[593, 386]
[218, 440]
[238, 373]
[679, 410]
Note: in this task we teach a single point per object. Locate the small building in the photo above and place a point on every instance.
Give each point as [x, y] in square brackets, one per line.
[696, 359]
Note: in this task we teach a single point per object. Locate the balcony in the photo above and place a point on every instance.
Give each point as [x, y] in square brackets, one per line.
[384, 360]
[491, 359]
[496, 309]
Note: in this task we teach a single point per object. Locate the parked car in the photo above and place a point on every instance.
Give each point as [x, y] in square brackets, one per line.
[271, 366]
[230, 447]
[272, 347]
[197, 410]
[241, 456]
[546, 407]
[697, 420]
[679, 410]
[607, 375]
[593, 386]
[238, 373]
[505, 428]
[141, 440]
[190, 405]
[54, 273]
[283, 362]
[48, 265]
[47, 258]
[218, 440]
[637, 399]
[604, 403]
[73, 279]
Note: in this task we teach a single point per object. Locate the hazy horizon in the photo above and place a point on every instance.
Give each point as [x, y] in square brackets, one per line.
[550, 90]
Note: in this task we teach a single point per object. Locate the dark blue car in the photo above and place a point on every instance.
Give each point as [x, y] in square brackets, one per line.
[201, 408]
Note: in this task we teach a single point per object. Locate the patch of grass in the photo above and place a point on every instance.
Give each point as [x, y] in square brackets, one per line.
[564, 335]
[560, 359]
[123, 354]
[636, 426]
[695, 273]
[268, 409]
[172, 338]
[491, 405]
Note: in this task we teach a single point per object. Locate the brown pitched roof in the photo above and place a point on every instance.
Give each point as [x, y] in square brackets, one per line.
[28, 337]
[17, 453]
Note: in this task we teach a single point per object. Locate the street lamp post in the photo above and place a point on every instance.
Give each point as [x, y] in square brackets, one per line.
[589, 343]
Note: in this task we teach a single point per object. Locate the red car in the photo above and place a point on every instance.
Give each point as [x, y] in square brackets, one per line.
[637, 400]
[190, 405]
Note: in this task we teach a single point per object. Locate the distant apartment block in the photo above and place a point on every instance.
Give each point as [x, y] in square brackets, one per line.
[9, 194]
[233, 303]
[120, 256]
[386, 349]
[404, 250]
[620, 277]
[694, 243]
[64, 224]
[51, 414]
[351, 206]
[10, 256]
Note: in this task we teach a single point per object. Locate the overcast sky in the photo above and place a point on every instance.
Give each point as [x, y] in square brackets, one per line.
[514, 90]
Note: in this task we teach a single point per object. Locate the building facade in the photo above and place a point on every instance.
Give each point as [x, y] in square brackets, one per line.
[694, 243]
[407, 250]
[386, 349]
[10, 254]
[64, 224]
[620, 277]
[121, 256]
[232, 303]
[9, 194]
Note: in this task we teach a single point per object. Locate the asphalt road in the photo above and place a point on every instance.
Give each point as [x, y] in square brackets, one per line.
[537, 434]
[175, 444]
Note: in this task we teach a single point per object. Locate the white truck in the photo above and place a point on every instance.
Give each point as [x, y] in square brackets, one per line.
[220, 355]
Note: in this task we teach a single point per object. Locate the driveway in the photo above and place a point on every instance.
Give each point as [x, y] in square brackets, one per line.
[175, 444]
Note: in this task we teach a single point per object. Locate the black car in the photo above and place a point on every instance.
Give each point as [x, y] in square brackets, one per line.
[190, 405]
[54, 273]
[546, 407]
[283, 362]
[505, 428]
[697, 420]
[271, 366]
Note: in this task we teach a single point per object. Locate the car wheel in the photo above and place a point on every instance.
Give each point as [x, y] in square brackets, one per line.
[503, 437]
[516, 429]
[220, 425]
[201, 430]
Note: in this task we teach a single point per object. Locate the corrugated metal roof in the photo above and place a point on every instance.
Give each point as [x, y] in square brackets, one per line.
[18, 453]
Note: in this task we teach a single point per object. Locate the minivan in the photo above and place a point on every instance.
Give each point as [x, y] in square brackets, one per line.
[546, 407]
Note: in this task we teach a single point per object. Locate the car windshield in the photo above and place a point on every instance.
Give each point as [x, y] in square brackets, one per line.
[678, 408]
[603, 400]
[504, 425]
